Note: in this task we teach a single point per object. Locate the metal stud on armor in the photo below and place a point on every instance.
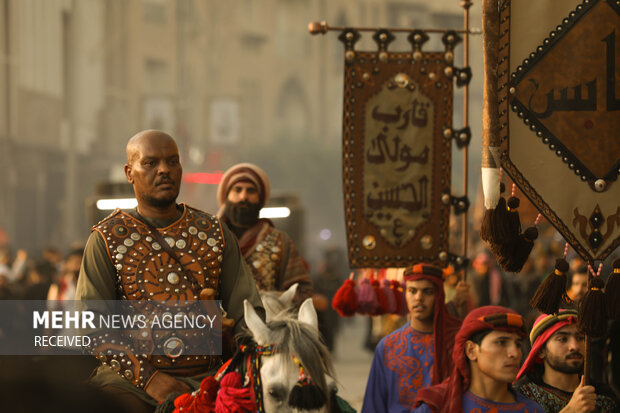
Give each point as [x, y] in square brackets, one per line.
[266, 260]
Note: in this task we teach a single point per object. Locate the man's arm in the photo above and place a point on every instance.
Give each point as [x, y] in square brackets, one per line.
[97, 275]
[237, 283]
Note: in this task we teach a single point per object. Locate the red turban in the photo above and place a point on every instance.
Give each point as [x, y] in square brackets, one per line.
[444, 325]
[446, 397]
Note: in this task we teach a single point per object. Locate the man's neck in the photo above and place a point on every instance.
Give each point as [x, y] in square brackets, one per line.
[490, 389]
[424, 326]
[166, 213]
[559, 380]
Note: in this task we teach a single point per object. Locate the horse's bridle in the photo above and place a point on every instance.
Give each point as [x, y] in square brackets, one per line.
[253, 365]
[251, 354]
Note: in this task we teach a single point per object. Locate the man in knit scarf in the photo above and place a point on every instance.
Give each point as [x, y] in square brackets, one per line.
[269, 252]
[551, 373]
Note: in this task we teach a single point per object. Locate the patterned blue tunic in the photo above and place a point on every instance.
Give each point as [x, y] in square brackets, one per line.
[401, 365]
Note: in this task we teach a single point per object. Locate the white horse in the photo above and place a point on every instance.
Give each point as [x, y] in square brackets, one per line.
[295, 342]
[272, 357]
[277, 303]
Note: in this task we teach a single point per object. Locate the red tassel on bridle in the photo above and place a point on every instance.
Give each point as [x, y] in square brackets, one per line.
[253, 368]
[202, 400]
[232, 397]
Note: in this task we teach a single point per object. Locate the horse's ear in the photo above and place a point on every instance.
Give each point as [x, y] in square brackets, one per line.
[257, 327]
[307, 314]
[286, 299]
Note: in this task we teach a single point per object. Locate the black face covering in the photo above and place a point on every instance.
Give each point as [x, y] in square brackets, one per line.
[242, 214]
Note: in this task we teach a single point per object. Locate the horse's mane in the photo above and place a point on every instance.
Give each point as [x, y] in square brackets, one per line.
[292, 337]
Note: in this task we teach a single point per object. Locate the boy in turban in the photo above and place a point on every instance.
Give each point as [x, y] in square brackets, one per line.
[487, 356]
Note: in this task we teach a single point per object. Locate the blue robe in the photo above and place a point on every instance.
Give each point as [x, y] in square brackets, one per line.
[474, 404]
[401, 365]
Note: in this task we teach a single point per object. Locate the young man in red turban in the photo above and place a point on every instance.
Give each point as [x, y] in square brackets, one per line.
[417, 354]
[487, 356]
[551, 373]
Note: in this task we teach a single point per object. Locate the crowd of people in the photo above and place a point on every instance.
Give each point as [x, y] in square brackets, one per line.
[459, 347]
[438, 363]
[50, 276]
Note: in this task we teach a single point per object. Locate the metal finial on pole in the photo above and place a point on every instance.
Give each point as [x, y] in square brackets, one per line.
[318, 27]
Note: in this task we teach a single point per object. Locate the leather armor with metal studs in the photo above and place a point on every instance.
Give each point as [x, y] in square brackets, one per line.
[146, 272]
[265, 260]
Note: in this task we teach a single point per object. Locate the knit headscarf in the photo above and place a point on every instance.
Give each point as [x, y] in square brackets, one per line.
[544, 327]
[444, 325]
[243, 172]
[447, 396]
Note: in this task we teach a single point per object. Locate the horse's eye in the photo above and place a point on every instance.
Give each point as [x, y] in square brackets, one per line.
[276, 395]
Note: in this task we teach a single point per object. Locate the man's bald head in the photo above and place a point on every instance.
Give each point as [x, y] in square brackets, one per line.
[143, 139]
[154, 169]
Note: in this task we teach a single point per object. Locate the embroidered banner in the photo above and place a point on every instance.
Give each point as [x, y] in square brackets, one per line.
[559, 115]
[397, 133]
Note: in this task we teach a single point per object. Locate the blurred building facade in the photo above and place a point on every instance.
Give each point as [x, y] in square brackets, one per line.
[79, 77]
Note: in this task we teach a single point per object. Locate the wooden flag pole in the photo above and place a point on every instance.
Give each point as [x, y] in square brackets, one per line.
[466, 4]
[323, 27]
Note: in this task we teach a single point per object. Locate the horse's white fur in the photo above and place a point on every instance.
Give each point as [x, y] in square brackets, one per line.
[279, 373]
[258, 329]
[307, 314]
[286, 299]
[276, 303]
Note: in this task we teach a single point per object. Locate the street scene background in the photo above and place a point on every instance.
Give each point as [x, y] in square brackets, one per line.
[231, 81]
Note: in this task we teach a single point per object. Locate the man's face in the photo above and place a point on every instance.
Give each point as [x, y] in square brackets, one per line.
[578, 287]
[498, 355]
[155, 171]
[564, 350]
[420, 297]
[243, 191]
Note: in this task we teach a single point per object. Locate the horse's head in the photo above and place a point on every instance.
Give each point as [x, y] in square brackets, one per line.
[277, 302]
[295, 341]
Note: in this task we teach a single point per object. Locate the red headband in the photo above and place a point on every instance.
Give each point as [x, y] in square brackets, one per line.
[423, 271]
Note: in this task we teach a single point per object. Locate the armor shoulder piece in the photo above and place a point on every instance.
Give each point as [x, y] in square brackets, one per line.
[212, 219]
[111, 216]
